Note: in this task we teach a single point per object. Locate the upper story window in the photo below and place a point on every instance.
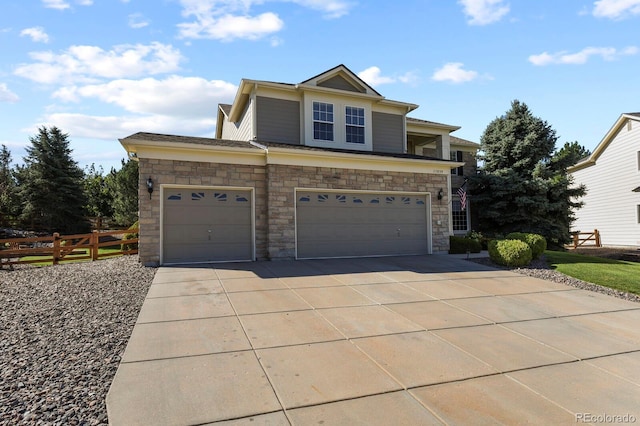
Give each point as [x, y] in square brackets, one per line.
[322, 121]
[339, 122]
[456, 156]
[354, 120]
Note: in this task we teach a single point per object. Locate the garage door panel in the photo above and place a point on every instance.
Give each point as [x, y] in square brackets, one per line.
[203, 225]
[351, 224]
[201, 252]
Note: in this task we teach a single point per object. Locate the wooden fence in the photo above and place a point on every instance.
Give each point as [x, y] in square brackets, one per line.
[586, 239]
[59, 248]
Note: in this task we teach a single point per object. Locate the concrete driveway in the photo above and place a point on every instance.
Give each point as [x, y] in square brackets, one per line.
[388, 341]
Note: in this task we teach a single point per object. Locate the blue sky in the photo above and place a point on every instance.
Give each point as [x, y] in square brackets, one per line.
[104, 69]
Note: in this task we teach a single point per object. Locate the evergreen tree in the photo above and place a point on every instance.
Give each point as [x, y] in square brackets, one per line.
[99, 196]
[522, 186]
[123, 185]
[8, 204]
[50, 185]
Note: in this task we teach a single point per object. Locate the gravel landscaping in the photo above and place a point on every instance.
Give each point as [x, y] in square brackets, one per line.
[63, 331]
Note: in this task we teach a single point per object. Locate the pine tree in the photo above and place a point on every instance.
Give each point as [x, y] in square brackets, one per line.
[8, 204]
[123, 184]
[522, 185]
[50, 185]
[99, 196]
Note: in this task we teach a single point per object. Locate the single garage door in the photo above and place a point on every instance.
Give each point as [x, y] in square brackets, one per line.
[336, 224]
[206, 225]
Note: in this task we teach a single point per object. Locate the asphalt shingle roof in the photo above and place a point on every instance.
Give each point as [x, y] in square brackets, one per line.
[157, 137]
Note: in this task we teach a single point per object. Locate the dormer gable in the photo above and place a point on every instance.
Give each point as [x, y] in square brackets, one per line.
[340, 78]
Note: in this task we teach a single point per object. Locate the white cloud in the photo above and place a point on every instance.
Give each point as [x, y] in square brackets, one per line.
[86, 63]
[454, 73]
[229, 27]
[232, 19]
[62, 4]
[175, 96]
[37, 34]
[373, 76]
[581, 57]
[483, 12]
[330, 8]
[114, 127]
[7, 95]
[136, 20]
[56, 4]
[616, 9]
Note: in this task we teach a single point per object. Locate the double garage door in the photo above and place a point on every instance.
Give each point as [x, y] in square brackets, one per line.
[213, 225]
[345, 224]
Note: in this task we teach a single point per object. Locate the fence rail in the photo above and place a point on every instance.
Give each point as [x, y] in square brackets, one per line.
[59, 248]
[586, 239]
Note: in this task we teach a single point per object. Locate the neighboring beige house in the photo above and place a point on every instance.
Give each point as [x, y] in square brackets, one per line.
[324, 168]
[611, 175]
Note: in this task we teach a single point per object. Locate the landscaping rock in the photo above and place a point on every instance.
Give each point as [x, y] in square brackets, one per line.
[63, 331]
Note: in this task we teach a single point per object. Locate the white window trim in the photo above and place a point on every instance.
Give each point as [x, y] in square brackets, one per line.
[333, 122]
[466, 210]
[339, 123]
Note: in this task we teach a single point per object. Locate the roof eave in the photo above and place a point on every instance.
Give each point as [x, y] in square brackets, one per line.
[604, 142]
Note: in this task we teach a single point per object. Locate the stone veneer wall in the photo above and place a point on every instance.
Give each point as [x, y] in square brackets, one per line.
[284, 179]
[275, 219]
[195, 173]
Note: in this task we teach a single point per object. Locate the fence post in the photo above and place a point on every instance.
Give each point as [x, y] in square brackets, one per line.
[597, 233]
[56, 248]
[95, 240]
[576, 238]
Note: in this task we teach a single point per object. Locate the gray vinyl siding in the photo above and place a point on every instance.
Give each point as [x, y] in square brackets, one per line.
[278, 120]
[240, 131]
[340, 83]
[388, 132]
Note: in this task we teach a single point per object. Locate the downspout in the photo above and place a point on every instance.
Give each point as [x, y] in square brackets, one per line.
[450, 204]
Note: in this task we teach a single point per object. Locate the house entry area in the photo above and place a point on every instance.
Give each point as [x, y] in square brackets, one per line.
[357, 224]
[206, 225]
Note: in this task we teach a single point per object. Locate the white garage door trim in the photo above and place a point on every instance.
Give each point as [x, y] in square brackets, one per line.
[251, 190]
[428, 214]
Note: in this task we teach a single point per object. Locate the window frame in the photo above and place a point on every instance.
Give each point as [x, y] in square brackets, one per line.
[348, 124]
[339, 124]
[319, 120]
[455, 202]
[458, 171]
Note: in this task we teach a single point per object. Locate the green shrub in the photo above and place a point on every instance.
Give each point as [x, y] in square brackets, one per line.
[458, 245]
[476, 235]
[130, 235]
[537, 243]
[509, 252]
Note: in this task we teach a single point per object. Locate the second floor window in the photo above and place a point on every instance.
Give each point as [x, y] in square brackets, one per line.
[354, 120]
[322, 121]
[457, 156]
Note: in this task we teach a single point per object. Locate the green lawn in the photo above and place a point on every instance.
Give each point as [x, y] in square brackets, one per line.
[617, 274]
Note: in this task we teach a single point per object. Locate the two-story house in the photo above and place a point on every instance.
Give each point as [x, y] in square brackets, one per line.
[611, 175]
[324, 168]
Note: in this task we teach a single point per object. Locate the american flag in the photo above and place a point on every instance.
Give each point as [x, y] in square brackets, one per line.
[463, 196]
